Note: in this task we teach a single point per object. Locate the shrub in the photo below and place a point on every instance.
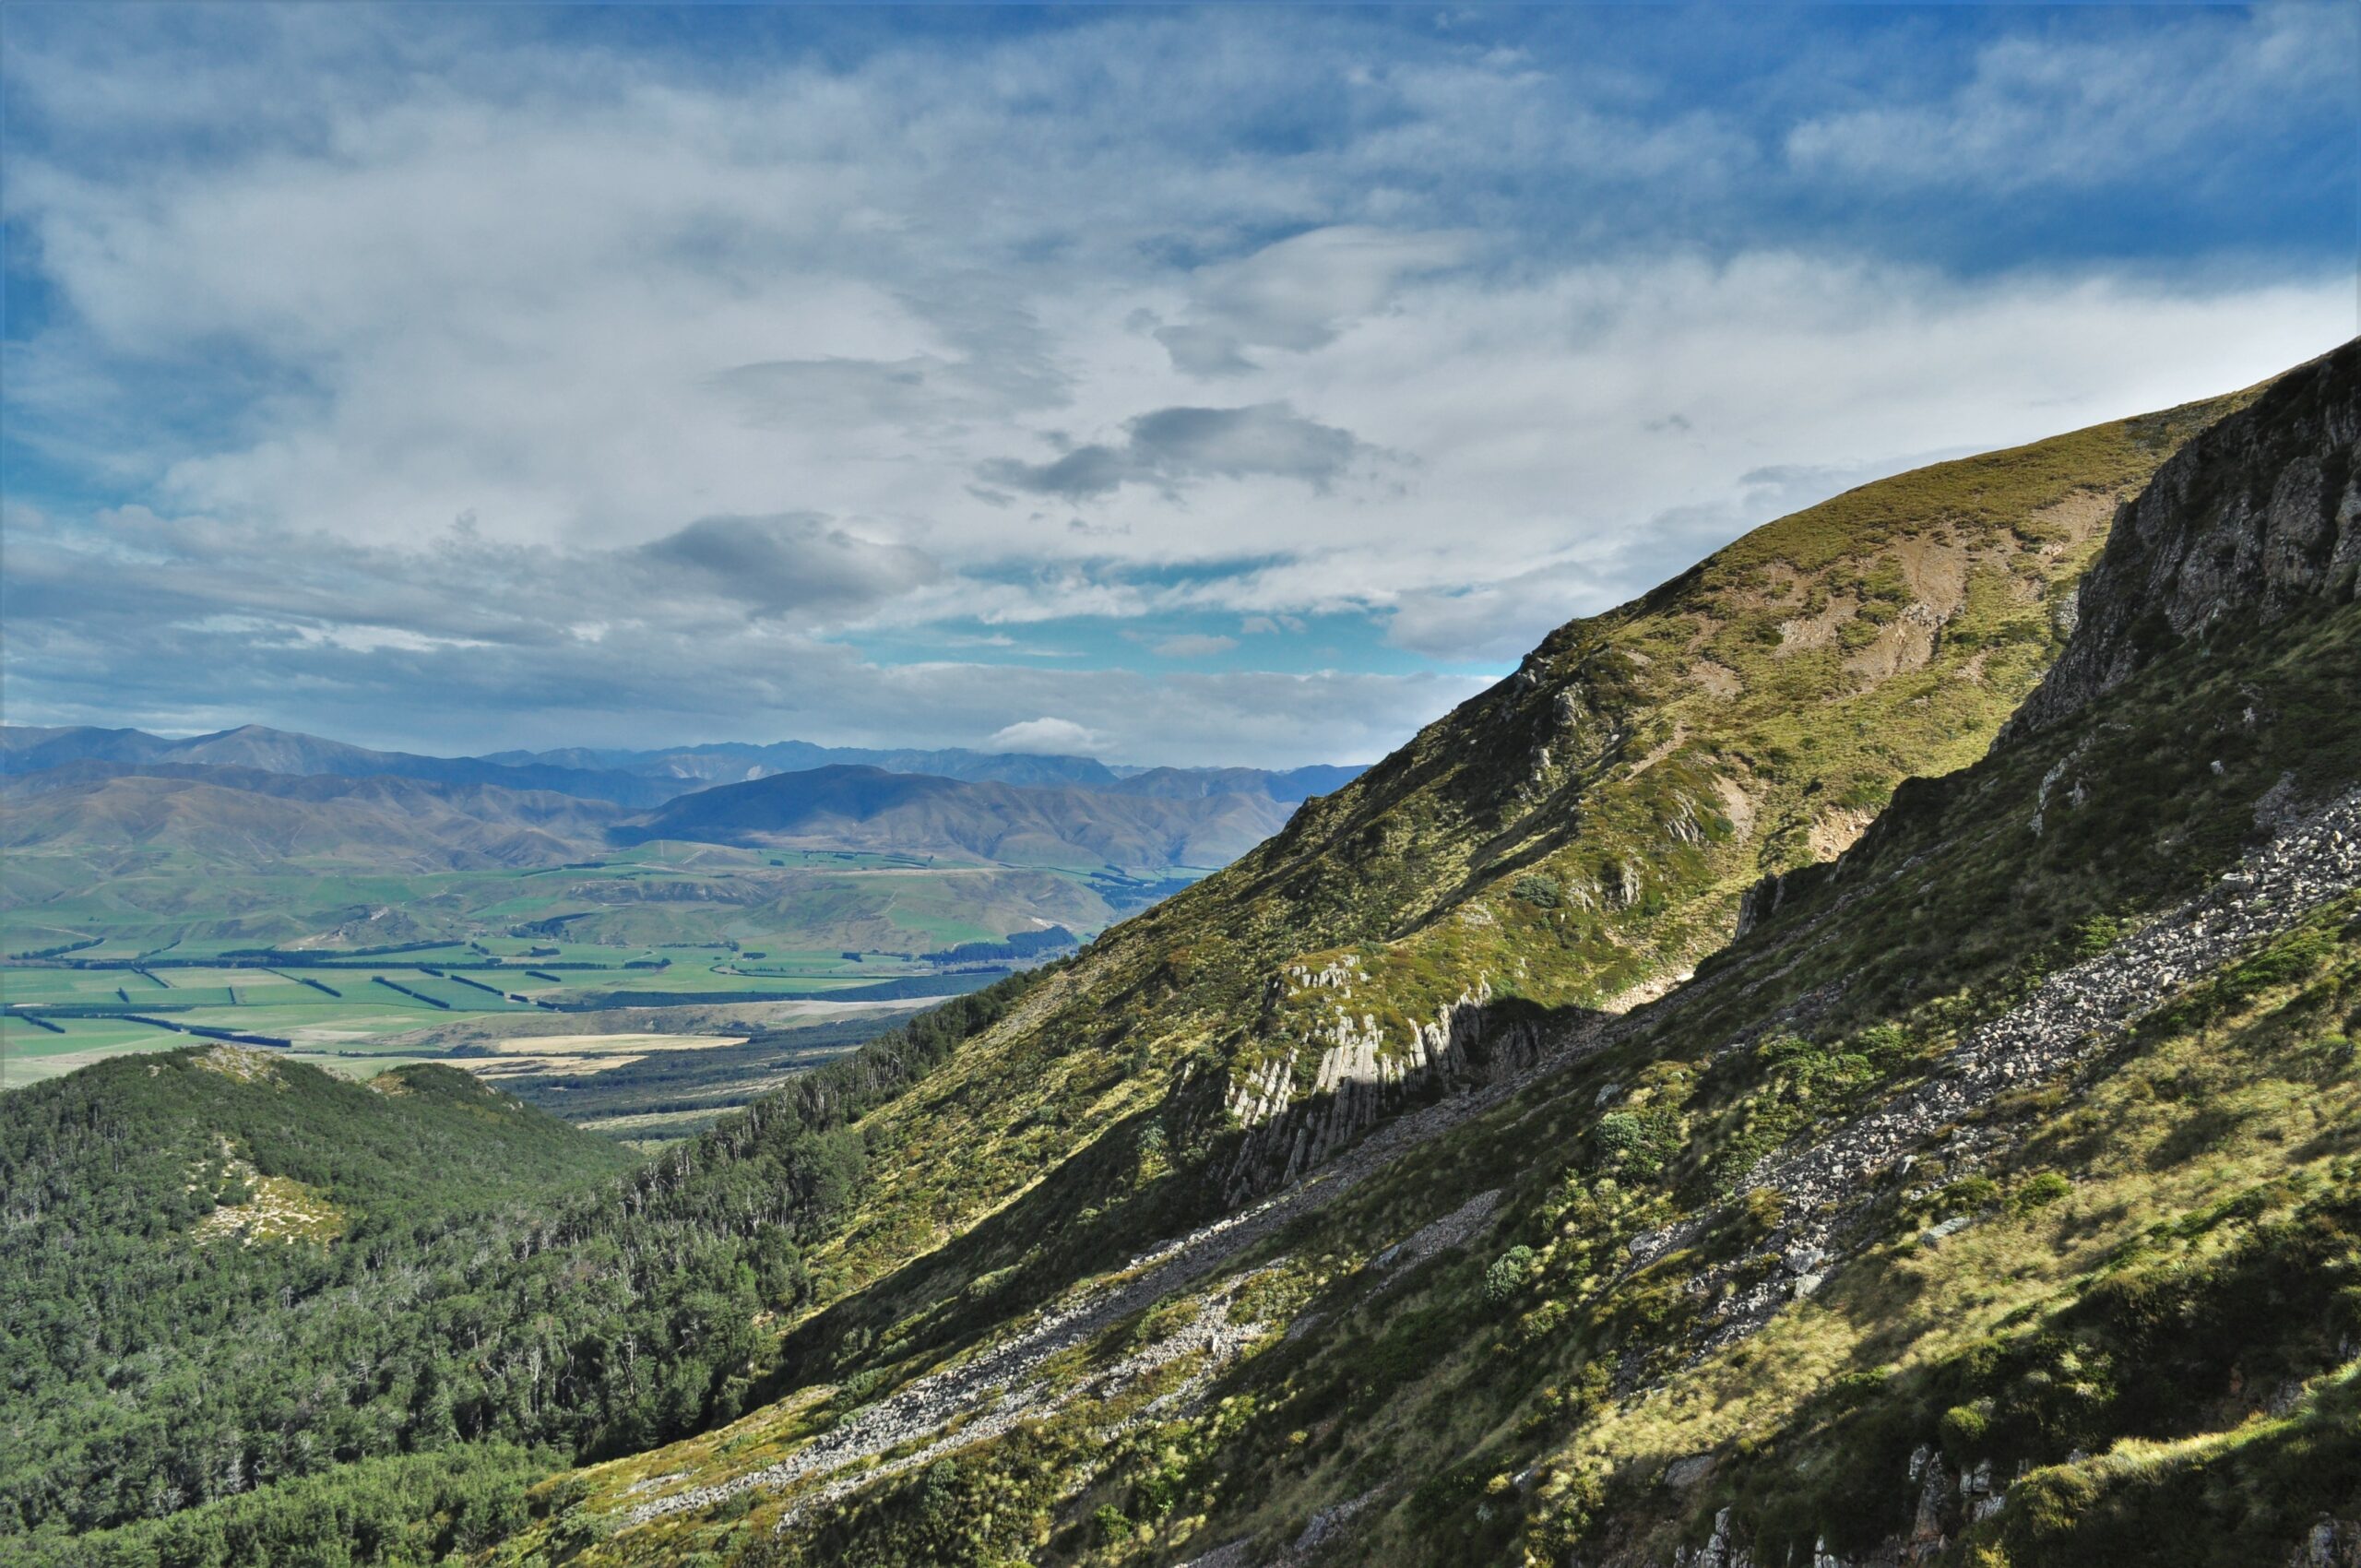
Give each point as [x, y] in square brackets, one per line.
[1506, 1276]
[2098, 933]
[1968, 1195]
[1962, 1428]
[1542, 892]
[2043, 1190]
[1638, 1142]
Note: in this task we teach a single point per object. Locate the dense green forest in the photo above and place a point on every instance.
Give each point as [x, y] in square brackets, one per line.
[221, 1271]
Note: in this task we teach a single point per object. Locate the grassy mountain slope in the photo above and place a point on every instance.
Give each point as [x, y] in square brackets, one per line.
[1476, 860]
[867, 808]
[1575, 839]
[2019, 1145]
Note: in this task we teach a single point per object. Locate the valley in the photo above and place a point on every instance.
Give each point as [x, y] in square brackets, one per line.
[360, 921]
[1846, 1059]
[1512, 786]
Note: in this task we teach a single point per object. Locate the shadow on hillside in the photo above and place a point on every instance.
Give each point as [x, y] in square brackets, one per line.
[1088, 1215]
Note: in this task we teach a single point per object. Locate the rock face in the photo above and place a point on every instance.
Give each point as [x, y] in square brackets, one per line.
[2331, 1543]
[1360, 1078]
[2251, 519]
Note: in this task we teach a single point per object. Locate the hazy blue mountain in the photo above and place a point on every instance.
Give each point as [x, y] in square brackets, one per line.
[732, 762]
[253, 816]
[1294, 785]
[26, 749]
[870, 808]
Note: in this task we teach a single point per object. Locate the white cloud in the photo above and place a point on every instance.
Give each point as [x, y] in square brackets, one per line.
[1171, 449]
[723, 365]
[1194, 645]
[2078, 110]
[790, 563]
[1298, 294]
[1055, 737]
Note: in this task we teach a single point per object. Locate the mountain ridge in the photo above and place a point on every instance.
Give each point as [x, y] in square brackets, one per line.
[29, 749]
[219, 810]
[1582, 1393]
[865, 807]
[1517, 1289]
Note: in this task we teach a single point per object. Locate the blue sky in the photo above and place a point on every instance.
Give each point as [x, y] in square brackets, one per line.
[1237, 386]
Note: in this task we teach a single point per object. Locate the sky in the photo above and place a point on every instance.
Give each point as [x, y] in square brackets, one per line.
[1181, 386]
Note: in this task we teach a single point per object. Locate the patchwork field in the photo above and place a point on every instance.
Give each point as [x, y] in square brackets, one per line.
[789, 904]
[541, 981]
[680, 979]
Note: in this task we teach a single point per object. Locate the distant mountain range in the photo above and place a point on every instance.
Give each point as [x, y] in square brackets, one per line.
[24, 749]
[736, 762]
[251, 816]
[869, 808]
[254, 794]
[641, 778]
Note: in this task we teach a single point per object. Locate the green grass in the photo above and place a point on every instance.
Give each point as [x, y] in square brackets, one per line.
[1033, 1165]
[1689, 794]
[143, 901]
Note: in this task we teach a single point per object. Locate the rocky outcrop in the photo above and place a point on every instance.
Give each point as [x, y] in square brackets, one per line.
[2331, 1543]
[1003, 1384]
[1361, 1077]
[1760, 902]
[2255, 517]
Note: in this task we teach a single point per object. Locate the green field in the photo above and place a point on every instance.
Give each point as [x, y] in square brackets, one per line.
[651, 899]
[386, 1010]
[624, 961]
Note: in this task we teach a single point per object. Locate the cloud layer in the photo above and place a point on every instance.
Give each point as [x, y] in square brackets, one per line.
[1221, 386]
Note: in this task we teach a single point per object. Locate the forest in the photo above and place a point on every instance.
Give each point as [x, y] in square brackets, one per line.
[495, 1281]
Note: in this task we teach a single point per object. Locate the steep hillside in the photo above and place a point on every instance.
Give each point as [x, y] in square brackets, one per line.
[867, 808]
[1574, 838]
[250, 817]
[1990, 1200]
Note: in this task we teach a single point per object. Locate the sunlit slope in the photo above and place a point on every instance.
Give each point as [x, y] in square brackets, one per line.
[1990, 1202]
[1574, 837]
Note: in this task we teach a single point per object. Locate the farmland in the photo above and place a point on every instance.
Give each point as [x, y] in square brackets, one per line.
[586, 987]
